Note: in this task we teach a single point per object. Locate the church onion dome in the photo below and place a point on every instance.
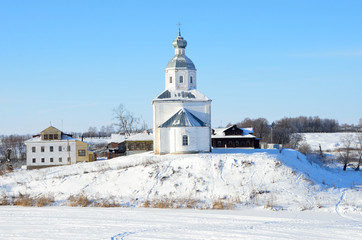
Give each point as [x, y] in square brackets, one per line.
[180, 60]
[179, 42]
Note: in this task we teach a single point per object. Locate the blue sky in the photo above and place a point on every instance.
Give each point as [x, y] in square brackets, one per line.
[71, 62]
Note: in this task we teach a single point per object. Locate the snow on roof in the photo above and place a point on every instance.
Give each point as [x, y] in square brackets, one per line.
[191, 95]
[38, 139]
[143, 136]
[117, 138]
[220, 133]
[183, 118]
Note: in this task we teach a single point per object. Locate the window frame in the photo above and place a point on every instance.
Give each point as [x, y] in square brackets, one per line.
[185, 140]
[81, 153]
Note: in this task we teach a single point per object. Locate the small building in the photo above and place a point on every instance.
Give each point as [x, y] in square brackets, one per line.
[234, 137]
[140, 142]
[52, 147]
[117, 146]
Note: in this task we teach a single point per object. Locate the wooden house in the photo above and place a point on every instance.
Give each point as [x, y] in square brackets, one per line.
[234, 137]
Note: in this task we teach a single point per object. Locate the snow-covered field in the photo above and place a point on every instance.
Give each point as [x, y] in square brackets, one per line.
[139, 223]
[308, 201]
[328, 141]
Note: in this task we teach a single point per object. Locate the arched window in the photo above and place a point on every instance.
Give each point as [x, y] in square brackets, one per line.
[191, 79]
[181, 79]
[185, 140]
[170, 79]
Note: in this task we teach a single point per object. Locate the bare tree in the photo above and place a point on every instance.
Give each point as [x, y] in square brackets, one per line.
[346, 150]
[259, 125]
[359, 149]
[126, 121]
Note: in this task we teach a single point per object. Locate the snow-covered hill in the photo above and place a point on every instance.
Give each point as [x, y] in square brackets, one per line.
[239, 178]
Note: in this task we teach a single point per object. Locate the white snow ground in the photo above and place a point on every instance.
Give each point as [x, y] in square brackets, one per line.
[58, 223]
[310, 201]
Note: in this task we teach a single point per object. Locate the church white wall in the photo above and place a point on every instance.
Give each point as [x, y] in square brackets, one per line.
[198, 139]
[175, 74]
[163, 110]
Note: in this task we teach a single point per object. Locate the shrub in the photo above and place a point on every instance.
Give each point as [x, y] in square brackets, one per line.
[4, 200]
[44, 201]
[79, 200]
[305, 148]
[24, 200]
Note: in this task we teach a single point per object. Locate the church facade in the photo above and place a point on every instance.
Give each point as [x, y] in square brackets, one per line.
[181, 114]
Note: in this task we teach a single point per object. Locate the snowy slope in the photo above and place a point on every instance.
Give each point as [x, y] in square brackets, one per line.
[265, 178]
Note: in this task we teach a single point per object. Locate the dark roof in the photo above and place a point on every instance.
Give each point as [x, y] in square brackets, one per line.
[183, 118]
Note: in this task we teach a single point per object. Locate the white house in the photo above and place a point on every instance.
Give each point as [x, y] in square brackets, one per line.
[181, 114]
[53, 147]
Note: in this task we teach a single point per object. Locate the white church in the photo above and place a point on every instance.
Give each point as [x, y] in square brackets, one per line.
[181, 114]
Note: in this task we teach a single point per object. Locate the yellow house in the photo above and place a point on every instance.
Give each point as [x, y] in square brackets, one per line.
[52, 147]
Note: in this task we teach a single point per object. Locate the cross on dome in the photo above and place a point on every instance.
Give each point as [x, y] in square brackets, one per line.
[179, 28]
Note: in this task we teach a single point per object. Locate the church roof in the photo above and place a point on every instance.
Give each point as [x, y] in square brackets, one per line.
[181, 61]
[184, 118]
[191, 95]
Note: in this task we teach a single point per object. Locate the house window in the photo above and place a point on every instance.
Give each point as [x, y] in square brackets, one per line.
[131, 147]
[55, 136]
[185, 140]
[42, 149]
[34, 160]
[230, 144]
[142, 145]
[236, 143]
[181, 79]
[33, 149]
[137, 146]
[170, 79]
[69, 159]
[219, 143]
[151, 146]
[81, 152]
[191, 79]
[60, 159]
[51, 149]
[51, 160]
[60, 148]
[43, 160]
[68, 148]
[50, 136]
[45, 136]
